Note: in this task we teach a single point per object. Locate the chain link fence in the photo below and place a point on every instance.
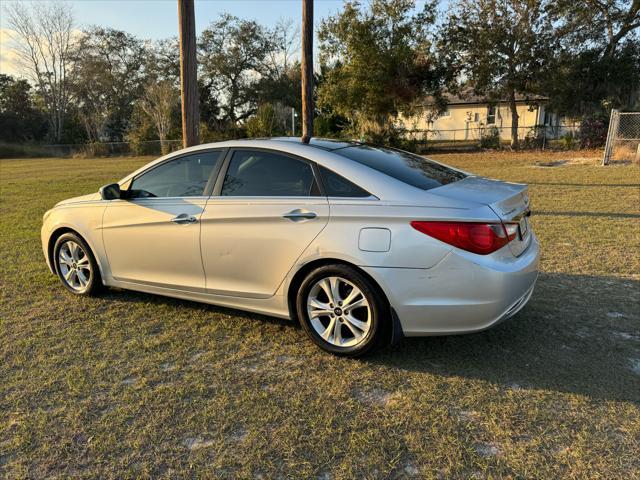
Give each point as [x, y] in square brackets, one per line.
[97, 149]
[536, 136]
[623, 138]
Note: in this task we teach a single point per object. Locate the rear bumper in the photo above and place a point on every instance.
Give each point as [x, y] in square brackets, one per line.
[461, 294]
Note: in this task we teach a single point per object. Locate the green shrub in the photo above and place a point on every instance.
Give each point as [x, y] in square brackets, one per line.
[490, 138]
[593, 131]
[569, 141]
[534, 137]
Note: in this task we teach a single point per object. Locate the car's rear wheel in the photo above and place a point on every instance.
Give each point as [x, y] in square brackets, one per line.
[341, 310]
[75, 265]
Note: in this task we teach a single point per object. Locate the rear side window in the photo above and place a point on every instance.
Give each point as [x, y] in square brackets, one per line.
[411, 169]
[254, 173]
[338, 186]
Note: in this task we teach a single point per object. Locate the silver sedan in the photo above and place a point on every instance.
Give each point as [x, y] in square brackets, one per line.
[360, 244]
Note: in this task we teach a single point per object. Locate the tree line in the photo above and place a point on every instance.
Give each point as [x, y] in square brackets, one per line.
[377, 60]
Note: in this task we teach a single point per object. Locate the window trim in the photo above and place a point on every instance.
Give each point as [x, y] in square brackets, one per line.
[207, 189]
[217, 187]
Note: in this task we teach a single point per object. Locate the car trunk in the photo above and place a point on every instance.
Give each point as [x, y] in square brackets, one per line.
[510, 201]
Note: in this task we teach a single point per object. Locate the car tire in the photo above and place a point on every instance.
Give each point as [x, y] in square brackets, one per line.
[342, 311]
[75, 265]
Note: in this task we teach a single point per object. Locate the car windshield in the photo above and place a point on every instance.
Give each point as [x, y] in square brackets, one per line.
[412, 169]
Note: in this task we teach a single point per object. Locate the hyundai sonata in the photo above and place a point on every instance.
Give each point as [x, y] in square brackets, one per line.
[361, 244]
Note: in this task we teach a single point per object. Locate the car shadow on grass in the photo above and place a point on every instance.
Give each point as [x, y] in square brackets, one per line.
[578, 334]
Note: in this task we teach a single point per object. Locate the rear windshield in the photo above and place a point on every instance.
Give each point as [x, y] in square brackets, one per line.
[409, 168]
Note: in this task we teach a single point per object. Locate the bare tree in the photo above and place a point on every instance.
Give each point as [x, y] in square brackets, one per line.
[158, 102]
[285, 40]
[43, 42]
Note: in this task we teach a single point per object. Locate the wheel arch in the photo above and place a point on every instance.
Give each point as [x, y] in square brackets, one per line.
[305, 269]
[394, 331]
[53, 238]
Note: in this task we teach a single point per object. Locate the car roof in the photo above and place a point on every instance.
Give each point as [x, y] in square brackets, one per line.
[323, 152]
[327, 144]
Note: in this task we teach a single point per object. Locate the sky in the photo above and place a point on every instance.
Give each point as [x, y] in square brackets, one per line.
[156, 19]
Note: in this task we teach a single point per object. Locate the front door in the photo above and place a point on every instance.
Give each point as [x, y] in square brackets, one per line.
[153, 237]
[268, 210]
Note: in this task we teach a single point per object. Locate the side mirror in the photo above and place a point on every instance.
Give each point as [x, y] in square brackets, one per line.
[110, 192]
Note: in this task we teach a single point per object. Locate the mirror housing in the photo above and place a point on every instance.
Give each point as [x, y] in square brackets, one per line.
[110, 192]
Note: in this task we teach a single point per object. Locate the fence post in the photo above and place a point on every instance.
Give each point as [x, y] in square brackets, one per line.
[611, 135]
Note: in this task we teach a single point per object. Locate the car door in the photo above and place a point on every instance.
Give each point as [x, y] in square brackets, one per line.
[153, 235]
[266, 209]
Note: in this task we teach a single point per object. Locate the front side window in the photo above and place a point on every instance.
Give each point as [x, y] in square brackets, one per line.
[183, 177]
[254, 173]
[411, 169]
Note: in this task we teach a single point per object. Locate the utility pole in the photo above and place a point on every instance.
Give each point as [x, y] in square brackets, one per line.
[188, 73]
[307, 70]
[293, 122]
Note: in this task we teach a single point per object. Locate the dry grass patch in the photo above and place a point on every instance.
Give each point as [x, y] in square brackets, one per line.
[129, 385]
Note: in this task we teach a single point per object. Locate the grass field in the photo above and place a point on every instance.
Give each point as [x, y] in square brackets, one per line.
[130, 385]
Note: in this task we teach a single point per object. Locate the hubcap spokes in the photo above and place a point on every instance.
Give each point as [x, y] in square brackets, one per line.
[74, 265]
[339, 312]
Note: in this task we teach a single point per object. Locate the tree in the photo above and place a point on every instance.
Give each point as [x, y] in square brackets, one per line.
[284, 43]
[158, 103]
[596, 24]
[280, 80]
[377, 62]
[234, 55]
[20, 120]
[502, 47]
[108, 77]
[598, 65]
[163, 60]
[588, 83]
[44, 41]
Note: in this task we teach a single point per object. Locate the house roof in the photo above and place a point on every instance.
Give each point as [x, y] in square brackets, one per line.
[467, 96]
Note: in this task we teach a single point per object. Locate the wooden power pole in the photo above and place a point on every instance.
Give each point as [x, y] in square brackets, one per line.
[307, 70]
[188, 73]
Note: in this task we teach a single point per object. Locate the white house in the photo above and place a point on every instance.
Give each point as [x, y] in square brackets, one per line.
[470, 116]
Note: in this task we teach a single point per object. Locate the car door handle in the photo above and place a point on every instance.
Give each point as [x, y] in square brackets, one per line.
[184, 218]
[298, 215]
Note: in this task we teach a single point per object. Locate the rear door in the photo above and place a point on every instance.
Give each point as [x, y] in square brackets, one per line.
[266, 209]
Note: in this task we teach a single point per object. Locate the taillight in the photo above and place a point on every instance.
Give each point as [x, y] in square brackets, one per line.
[481, 238]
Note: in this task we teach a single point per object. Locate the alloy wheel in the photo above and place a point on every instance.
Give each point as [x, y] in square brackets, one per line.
[74, 265]
[338, 311]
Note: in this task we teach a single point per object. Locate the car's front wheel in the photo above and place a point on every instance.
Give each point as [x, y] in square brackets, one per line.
[76, 265]
[341, 310]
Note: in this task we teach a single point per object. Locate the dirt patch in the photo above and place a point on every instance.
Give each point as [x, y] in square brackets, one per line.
[488, 450]
[374, 396]
[566, 162]
[195, 443]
